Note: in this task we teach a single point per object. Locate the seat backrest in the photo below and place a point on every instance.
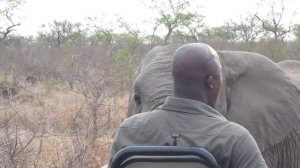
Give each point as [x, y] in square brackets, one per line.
[166, 165]
[163, 157]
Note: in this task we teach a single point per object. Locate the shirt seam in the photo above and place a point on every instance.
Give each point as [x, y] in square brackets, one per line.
[169, 106]
[211, 115]
[185, 131]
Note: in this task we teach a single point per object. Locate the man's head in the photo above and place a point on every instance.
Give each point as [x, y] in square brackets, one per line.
[197, 73]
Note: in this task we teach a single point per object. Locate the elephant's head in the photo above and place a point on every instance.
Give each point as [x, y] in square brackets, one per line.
[152, 81]
[256, 92]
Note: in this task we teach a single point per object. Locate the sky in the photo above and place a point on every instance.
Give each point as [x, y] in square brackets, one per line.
[34, 13]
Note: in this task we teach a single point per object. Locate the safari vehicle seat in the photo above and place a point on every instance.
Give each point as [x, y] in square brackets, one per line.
[163, 157]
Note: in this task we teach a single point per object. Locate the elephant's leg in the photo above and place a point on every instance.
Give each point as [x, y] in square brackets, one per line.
[285, 154]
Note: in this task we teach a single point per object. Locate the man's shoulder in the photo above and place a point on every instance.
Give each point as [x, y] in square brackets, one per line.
[234, 128]
[141, 118]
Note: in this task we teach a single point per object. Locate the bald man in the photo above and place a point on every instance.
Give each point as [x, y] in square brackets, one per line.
[188, 118]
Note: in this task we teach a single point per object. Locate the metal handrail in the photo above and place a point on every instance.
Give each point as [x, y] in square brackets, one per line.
[166, 153]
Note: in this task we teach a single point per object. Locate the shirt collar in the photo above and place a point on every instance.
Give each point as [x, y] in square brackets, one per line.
[195, 107]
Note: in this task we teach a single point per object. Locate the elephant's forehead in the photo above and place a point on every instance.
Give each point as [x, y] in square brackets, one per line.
[157, 69]
[154, 80]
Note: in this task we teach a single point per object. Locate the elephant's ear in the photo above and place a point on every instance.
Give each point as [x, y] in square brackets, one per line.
[261, 97]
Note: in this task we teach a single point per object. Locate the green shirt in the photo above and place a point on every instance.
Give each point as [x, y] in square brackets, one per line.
[196, 124]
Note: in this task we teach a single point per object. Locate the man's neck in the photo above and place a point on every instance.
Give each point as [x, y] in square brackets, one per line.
[193, 95]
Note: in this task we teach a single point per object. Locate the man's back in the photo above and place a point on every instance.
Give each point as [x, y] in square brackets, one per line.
[185, 122]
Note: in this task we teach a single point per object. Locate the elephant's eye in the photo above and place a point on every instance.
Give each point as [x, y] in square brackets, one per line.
[137, 99]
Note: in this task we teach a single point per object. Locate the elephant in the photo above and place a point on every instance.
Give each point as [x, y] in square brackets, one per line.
[256, 94]
[292, 67]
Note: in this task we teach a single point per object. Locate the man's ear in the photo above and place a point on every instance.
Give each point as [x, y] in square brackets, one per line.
[210, 83]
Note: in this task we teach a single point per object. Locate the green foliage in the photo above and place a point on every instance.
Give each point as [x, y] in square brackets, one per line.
[131, 41]
[173, 15]
[121, 55]
[215, 34]
[67, 51]
[272, 23]
[50, 83]
[247, 30]
[296, 31]
[102, 36]
[125, 57]
[62, 33]
[275, 50]
[9, 71]
[5, 83]
[221, 32]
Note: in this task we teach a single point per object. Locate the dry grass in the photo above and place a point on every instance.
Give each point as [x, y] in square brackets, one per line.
[59, 120]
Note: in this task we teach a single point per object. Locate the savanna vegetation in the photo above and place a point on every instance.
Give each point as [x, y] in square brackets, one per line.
[64, 92]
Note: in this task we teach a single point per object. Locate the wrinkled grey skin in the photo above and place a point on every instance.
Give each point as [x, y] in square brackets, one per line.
[256, 93]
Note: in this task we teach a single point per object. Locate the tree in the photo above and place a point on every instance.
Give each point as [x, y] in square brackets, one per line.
[173, 14]
[296, 31]
[273, 25]
[61, 32]
[216, 34]
[62, 37]
[246, 29]
[194, 26]
[8, 17]
[273, 21]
